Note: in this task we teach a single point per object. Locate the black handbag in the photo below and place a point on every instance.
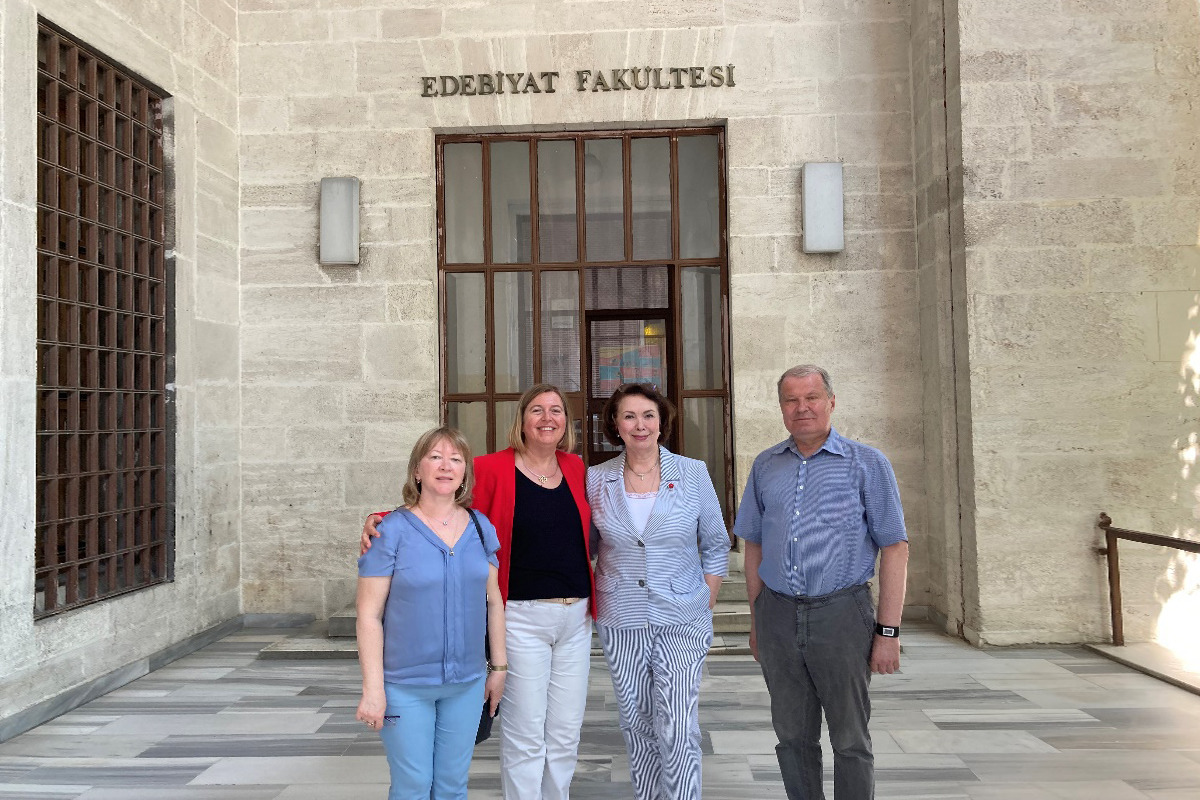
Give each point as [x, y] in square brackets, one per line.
[485, 717]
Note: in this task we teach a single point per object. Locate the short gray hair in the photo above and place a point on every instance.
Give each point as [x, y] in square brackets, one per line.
[803, 371]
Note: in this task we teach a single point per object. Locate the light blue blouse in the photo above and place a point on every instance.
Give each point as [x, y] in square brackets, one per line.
[436, 611]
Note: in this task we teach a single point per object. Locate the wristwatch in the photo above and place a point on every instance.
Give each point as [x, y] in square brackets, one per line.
[890, 631]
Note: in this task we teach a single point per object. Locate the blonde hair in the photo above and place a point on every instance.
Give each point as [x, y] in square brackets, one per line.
[427, 441]
[516, 432]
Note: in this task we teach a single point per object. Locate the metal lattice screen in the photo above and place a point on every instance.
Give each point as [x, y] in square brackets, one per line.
[104, 522]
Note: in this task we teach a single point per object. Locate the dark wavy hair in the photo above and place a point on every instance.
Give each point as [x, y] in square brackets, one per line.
[666, 411]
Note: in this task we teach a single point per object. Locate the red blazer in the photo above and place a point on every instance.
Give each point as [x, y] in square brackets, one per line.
[496, 496]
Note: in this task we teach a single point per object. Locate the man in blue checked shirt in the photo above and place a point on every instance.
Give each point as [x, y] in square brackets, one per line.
[817, 510]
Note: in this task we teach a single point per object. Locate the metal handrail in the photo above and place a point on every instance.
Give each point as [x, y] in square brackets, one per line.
[1111, 535]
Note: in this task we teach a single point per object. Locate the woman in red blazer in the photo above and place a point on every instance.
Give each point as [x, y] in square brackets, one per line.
[534, 493]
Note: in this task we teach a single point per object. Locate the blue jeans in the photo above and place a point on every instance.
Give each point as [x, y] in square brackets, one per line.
[429, 736]
[816, 655]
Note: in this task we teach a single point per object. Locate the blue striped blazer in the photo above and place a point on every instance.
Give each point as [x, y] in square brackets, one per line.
[657, 576]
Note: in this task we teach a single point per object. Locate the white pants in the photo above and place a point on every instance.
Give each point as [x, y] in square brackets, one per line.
[549, 654]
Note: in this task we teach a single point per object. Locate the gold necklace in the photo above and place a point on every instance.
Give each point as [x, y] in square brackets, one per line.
[541, 478]
[641, 475]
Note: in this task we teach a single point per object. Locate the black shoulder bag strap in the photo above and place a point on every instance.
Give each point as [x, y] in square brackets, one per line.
[478, 529]
[487, 644]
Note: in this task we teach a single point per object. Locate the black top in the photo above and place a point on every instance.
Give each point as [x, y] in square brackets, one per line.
[548, 556]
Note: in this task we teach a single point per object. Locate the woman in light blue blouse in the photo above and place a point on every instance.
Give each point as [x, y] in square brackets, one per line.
[423, 592]
[663, 551]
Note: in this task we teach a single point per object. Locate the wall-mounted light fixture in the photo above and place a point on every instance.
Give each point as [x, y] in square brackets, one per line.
[824, 220]
[339, 220]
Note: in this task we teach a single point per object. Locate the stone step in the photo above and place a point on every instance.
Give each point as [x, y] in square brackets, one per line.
[732, 594]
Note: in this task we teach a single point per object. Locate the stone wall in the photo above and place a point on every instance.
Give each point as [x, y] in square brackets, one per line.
[187, 49]
[339, 365]
[937, 167]
[1081, 204]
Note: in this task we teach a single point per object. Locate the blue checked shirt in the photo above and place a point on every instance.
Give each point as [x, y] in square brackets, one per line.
[821, 520]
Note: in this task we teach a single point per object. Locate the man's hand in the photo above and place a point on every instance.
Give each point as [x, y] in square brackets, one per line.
[369, 532]
[753, 641]
[885, 655]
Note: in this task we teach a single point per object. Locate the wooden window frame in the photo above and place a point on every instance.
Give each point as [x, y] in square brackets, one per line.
[497, 429]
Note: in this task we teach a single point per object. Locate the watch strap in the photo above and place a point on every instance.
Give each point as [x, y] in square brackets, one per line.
[890, 631]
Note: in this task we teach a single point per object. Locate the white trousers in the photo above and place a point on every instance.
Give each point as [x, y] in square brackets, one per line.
[549, 655]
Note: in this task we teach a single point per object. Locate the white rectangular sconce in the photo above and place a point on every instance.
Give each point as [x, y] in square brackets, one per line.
[824, 220]
[339, 220]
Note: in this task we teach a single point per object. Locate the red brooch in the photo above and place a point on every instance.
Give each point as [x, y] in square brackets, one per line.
[670, 486]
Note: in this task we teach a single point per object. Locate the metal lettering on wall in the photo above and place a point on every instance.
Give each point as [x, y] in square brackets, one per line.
[586, 80]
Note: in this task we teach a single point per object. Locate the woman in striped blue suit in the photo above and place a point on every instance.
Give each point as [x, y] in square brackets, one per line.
[662, 553]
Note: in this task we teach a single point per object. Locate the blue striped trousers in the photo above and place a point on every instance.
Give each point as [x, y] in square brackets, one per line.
[656, 677]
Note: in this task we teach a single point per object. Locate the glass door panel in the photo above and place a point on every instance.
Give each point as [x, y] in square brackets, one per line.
[651, 176]
[703, 354]
[627, 287]
[465, 336]
[560, 329]
[704, 438]
[604, 199]
[509, 164]
[463, 164]
[471, 420]
[512, 302]
[699, 198]
[622, 350]
[505, 411]
[558, 237]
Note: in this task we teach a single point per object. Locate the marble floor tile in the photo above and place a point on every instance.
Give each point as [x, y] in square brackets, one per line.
[16, 791]
[1051, 682]
[1102, 698]
[1063, 790]
[294, 769]
[346, 791]
[195, 793]
[211, 724]
[77, 746]
[239, 745]
[998, 718]
[744, 742]
[990, 741]
[118, 771]
[1115, 765]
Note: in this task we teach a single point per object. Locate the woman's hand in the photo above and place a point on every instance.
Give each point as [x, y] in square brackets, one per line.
[371, 709]
[369, 532]
[493, 689]
[714, 589]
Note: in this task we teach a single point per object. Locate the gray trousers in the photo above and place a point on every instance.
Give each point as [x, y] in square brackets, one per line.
[815, 654]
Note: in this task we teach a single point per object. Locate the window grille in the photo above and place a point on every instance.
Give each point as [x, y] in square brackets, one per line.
[104, 516]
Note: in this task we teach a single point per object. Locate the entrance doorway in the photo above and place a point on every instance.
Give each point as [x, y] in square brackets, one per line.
[586, 260]
[623, 348]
